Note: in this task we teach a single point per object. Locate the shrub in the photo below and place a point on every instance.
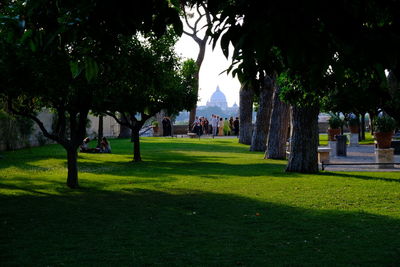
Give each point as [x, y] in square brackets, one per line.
[384, 124]
[335, 121]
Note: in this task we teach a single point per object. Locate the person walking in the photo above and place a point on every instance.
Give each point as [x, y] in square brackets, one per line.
[214, 125]
[236, 126]
[206, 126]
[221, 127]
[165, 123]
[231, 125]
[227, 128]
[196, 126]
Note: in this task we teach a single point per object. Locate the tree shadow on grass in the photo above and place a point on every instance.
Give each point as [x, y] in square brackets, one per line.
[187, 228]
[363, 177]
[215, 170]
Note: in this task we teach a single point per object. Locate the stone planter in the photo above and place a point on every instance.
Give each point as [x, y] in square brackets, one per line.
[332, 145]
[155, 130]
[332, 133]
[384, 139]
[384, 155]
[354, 139]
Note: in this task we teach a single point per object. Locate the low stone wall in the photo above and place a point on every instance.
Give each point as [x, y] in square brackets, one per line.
[180, 129]
[110, 129]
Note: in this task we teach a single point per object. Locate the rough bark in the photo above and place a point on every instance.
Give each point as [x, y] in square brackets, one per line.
[100, 130]
[362, 127]
[124, 131]
[136, 145]
[72, 162]
[304, 140]
[278, 131]
[261, 127]
[371, 122]
[77, 123]
[246, 114]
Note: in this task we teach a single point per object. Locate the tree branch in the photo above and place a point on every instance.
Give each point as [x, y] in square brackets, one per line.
[197, 21]
[187, 21]
[112, 114]
[188, 33]
[46, 133]
[208, 16]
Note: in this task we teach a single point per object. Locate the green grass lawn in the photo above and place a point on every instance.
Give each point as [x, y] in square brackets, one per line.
[192, 203]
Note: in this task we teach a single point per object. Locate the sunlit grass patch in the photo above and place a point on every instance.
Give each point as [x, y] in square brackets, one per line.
[207, 202]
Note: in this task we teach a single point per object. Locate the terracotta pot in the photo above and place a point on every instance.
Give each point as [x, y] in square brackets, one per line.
[332, 133]
[384, 140]
[354, 129]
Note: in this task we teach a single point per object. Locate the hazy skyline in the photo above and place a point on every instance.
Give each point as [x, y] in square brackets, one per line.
[210, 73]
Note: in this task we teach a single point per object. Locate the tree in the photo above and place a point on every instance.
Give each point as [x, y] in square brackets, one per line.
[201, 13]
[261, 127]
[149, 79]
[278, 132]
[305, 48]
[54, 56]
[246, 113]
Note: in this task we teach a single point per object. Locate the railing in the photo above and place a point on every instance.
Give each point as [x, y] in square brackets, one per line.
[145, 130]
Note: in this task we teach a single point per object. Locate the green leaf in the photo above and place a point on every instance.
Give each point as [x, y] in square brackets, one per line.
[91, 69]
[32, 45]
[225, 44]
[27, 34]
[74, 66]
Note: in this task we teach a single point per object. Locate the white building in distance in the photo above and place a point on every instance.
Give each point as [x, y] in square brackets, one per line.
[218, 99]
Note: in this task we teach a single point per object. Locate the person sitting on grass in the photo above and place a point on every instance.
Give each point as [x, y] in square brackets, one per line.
[84, 148]
[105, 146]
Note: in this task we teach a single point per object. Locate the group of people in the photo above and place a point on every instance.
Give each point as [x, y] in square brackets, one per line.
[217, 126]
[167, 126]
[104, 146]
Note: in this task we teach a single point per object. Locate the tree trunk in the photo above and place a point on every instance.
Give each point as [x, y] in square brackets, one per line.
[72, 159]
[278, 132]
[246, 114]
[100, 131]
[362, 127]
[159, 117]
[304, 142]
[371, 122]
[136, 144]
[261, 128]
[192, 114]
[124, 131]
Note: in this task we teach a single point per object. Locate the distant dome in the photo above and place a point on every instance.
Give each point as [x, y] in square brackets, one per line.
[218, 99]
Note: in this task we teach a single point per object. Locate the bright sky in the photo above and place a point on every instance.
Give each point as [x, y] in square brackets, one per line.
[210, 73]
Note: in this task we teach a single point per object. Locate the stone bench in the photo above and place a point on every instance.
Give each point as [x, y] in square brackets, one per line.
[323, 154]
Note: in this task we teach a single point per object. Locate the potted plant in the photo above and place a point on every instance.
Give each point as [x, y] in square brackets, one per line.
[354, 124]
[384, 127]
[155, 126]
[335, 122]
